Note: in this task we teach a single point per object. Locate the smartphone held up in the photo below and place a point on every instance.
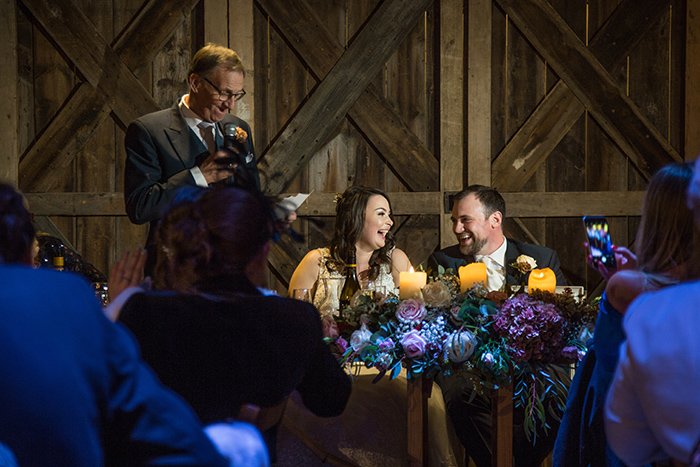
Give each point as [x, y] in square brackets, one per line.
[600, 245]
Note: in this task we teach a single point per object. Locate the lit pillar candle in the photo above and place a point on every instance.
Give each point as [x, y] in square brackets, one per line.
[411, 283]
[472, 274]
[543, 279]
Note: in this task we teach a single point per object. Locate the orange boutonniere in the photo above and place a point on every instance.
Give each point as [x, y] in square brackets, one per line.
[241, 135]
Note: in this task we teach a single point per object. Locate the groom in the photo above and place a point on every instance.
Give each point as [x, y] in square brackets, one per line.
[477, 221]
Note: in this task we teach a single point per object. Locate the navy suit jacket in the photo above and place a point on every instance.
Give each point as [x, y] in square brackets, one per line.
[451, 257]
[74, 390]
[160, 151]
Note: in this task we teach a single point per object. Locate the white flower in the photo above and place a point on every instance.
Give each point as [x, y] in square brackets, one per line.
[525, 263]
[360, 338]
[460, 345]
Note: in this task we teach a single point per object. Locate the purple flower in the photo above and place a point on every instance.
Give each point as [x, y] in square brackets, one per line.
[386, 344]
[342, 344]
[487, 358]
[411, 310]
[413, 344]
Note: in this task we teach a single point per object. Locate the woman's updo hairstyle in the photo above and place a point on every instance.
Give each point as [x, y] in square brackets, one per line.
[349, 222]
[16, 229]
[218, 233]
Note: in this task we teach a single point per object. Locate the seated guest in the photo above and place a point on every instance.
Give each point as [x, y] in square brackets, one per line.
[477, 222]
[74, 390]
[362, 231]
[651, 412]
[664, 246]
[210, 334]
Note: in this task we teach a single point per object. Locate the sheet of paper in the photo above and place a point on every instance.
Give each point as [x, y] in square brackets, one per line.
[290, 204]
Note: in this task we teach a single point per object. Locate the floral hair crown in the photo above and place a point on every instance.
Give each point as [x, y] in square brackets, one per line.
[338, 198]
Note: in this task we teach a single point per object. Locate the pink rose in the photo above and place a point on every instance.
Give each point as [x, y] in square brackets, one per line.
[411, 310]
[413, 344]
[329, 327]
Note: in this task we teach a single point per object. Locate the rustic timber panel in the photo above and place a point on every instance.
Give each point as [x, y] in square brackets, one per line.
[557, 150]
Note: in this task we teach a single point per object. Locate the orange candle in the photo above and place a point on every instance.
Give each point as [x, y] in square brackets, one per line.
[472, 274]
[543, 279]
[411, 283]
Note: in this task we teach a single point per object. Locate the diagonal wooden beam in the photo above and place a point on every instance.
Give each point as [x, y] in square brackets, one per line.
[86, 109]
[307, 132]
[94, 58]
[372, 115]
[591, 84]
[560, 109]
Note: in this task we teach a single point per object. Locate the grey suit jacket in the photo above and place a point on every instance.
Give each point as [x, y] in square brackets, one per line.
[451, 257]
[160, 150]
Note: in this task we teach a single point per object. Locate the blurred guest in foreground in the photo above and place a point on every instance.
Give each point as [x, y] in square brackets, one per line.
[664, 245]
[210, 334]
[653, 406]
[74, 390]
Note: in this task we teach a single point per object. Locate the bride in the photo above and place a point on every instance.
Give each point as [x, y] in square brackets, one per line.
[372, 430]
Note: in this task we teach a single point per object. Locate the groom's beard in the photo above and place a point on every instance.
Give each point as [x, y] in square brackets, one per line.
[475, 247]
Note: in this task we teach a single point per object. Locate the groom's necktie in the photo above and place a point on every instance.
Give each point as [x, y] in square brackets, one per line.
[495, 276]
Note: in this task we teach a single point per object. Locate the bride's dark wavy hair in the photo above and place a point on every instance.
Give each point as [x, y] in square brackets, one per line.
[217, 231]
[349, 222]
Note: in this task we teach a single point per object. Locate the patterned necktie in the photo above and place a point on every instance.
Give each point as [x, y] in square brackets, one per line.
[494, 273]
[206, 129]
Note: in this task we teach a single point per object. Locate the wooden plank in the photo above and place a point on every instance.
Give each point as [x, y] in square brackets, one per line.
[502, 429]
[692, 80]
[451, 89]
[334, 96]
[417, 420]
[99, 64]
[241, 39]
[95, 164]
[418, 237]
[592, 84]
[9, 157]
[479, 92]
[216, 22]
[534, 204]
[82, 114]
[372, 115]
[559, 111]
[284, 257]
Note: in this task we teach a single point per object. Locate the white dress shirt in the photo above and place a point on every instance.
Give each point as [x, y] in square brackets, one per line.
[193, 121]
[495, 267]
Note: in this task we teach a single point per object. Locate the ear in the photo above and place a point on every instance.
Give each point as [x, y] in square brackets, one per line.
[496, 219]
[194, 82]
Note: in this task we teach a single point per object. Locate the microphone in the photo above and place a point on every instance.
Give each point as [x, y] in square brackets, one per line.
[241, 178]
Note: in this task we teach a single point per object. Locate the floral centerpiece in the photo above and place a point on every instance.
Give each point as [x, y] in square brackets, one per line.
[487, 339]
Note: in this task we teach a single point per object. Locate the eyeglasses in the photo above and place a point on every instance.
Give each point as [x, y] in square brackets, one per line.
[225, 95]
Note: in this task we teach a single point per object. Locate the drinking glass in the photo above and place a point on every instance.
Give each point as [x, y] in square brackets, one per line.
[302, 294]
[329, 288]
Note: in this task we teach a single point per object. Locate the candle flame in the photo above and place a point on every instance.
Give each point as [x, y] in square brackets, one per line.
[411, 270]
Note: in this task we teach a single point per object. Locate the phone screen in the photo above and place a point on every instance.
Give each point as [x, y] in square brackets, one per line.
[599, 243]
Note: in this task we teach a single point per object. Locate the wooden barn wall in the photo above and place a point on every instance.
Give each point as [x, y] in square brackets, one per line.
[464, 87]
